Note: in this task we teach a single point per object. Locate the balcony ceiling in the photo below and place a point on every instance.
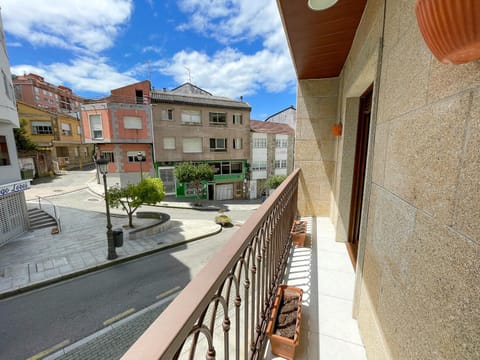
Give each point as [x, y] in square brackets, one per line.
[320, 40]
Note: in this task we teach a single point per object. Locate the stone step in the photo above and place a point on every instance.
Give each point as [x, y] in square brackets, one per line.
[40, 219]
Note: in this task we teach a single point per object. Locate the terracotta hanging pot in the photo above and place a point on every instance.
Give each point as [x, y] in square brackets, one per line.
[451, 28]
[337, 130]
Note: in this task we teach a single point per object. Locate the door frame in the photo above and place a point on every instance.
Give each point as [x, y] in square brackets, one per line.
[359, 173]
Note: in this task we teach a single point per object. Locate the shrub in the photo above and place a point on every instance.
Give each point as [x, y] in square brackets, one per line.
[274, 181]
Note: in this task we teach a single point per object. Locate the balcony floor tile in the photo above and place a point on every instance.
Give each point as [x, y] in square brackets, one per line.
[324, 271]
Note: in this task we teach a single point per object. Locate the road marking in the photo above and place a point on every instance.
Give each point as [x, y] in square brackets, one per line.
[49, 350]
[168, 292]
[118, 317]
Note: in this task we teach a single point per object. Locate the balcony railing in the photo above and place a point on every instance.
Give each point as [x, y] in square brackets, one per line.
[223, 312]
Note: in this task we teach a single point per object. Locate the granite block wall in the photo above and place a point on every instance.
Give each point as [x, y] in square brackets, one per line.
[418, 271]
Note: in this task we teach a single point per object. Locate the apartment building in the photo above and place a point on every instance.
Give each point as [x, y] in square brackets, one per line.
[58, 136]
[120, 129]
[272, 147]
[398, 191]
[285, 116]
[191, 124]
[33, 89]
[13, 208]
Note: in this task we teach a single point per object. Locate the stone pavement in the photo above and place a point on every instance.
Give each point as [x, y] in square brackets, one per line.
[113, 341]
[38, 257]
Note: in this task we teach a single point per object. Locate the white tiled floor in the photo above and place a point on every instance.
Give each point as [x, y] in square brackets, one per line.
[325, 273]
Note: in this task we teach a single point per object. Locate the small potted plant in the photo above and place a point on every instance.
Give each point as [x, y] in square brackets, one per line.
[283, 328]
[299, 232]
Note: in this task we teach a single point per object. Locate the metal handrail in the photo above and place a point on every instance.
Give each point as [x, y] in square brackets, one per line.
[224, 310]
[55, 215]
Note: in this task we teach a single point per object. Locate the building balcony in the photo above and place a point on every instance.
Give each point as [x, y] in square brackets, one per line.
[223, 312]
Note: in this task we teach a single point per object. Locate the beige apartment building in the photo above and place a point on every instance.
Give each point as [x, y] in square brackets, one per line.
[190, 124]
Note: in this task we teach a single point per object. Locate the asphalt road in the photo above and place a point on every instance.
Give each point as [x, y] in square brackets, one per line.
[64, 313]
[72, 310]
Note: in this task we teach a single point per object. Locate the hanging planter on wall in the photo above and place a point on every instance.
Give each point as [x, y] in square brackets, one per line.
[451, 29]
[337, 130]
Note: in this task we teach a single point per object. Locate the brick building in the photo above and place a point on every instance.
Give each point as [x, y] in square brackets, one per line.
[33, 89]
[120, 127]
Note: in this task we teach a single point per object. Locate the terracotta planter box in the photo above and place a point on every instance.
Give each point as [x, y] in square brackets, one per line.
[284, 308]
[299, 232]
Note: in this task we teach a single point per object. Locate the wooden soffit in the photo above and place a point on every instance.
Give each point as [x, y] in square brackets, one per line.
[320, 40]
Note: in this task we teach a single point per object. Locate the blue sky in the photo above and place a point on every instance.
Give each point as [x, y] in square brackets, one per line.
[230, 48]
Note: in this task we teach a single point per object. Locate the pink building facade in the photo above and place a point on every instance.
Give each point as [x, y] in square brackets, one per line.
[120, 127]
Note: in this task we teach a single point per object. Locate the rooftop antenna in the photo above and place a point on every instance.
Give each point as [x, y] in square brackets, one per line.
[189, 74]
[149, 70]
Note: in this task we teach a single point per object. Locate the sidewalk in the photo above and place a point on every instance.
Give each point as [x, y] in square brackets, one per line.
[37, 258]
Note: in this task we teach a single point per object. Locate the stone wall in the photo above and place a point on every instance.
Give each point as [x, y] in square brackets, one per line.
[419, 274]
[315, 144]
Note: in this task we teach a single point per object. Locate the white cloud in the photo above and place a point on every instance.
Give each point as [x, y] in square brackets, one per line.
[74, 24]
[82, 74]
[231, 73]
[152, 48]
[89, 27]
[14, 44]
[231, 21]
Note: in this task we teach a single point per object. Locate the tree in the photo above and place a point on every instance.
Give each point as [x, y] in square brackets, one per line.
[274, 181]
[148, 191]
[22, 139]
[195, 175]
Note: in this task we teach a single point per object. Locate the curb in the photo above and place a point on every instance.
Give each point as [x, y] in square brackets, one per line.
[75, 274]
[198, 208]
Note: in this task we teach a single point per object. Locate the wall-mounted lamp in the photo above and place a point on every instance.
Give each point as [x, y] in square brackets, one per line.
[318, 5]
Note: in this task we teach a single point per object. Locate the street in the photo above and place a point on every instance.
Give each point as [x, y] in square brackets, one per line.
[35, 322]
[73, 309]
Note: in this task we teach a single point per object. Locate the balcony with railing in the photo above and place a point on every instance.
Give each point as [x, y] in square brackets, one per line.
[223, 312]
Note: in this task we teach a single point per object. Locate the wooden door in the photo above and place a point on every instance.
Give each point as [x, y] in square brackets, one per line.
[358, 184]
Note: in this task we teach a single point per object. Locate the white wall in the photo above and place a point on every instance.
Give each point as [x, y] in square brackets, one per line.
[8, 115]
[9, 173]
[259, 154]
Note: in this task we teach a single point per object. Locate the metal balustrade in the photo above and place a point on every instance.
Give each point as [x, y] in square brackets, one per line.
[51, 209]
[223, 312]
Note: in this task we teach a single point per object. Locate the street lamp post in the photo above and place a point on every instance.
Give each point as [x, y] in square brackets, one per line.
[140, 160]
[102, 165]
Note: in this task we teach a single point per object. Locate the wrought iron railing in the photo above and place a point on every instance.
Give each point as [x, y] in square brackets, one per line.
[51, 209]
[223, 312]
